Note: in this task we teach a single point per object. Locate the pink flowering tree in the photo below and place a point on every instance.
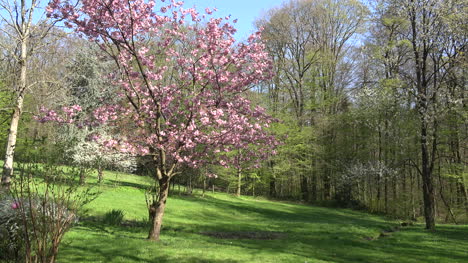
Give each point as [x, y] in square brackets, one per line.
[183, 81]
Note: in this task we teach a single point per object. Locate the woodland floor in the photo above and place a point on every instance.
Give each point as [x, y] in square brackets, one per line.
[222, 228]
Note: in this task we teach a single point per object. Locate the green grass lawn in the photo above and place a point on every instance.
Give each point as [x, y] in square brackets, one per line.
[300, 233]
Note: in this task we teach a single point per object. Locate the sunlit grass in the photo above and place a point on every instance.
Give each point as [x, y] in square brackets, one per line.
[306, 233]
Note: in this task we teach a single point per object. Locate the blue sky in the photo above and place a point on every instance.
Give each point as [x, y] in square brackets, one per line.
[246, 11]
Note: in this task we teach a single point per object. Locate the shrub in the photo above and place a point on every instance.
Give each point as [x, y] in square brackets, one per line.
[21, 218]
[41, 207]
[11, 231]
[114, 217]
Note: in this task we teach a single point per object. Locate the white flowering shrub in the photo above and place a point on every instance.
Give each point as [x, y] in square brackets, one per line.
[92, 154]
[358, 173]
[89, 84]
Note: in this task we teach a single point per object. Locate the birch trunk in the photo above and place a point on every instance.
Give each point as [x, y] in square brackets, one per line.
[13, 131]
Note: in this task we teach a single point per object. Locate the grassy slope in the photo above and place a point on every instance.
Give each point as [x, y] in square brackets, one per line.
[312, 234]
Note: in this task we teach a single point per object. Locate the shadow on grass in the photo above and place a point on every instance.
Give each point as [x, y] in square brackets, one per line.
[313, 233]
[125, 255]
[456, 233]
[290, 214]
[141, 186]
[340, 243]
[345, 248]
[113, 245]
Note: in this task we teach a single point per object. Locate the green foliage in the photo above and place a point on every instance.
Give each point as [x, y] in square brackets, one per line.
[11, 231]
[42, 205]
[113, 217]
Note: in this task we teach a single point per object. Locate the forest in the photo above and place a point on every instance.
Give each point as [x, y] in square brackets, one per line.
[330, 107]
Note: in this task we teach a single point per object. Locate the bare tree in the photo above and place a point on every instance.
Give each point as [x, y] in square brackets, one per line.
[21, 37]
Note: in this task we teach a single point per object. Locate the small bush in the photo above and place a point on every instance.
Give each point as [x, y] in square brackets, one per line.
[114, 217]
[19, 218]
[40, 208]
[11, 231]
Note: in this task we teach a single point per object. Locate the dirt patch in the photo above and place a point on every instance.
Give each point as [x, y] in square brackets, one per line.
[245, 235]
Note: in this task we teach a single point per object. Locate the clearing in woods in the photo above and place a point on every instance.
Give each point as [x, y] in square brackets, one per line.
[223, 228]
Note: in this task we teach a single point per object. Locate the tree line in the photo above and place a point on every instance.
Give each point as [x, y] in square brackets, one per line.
[372, 98]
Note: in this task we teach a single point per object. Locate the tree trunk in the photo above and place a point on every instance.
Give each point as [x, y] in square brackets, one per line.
[273, 186]
[379, 192]
[189, 185]
[156, 209]
[314, 186]
[204, 186]
[13, 131]
[239, 182]
[100, 174]
[413, 208]
[253, 187]
[428, 185]
[447, 205]
[327, 185]
[370, 194]
[405, 195]
[423, 99]
[386, 195]
[462, 195]
[304, 188]
[21, 88]
[272, 180]
[82, 176]
[11, 144]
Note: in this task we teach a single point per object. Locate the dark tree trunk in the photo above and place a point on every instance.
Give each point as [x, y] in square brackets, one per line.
[428, 184]
[304, 188]
[405, 207]
[100, 174]
[253, 187]
[379, 192]
[178, 186]
[421, 52]
[395, 196]
[314, 186]
[82, 176]
[462, 195]
[386, 195]
[272, 186]
[327, 185]
[156, 209]
[272, 181]
[189, 188]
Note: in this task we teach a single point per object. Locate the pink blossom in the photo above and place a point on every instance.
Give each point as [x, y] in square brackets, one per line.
[190, 116]
[15, 205]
